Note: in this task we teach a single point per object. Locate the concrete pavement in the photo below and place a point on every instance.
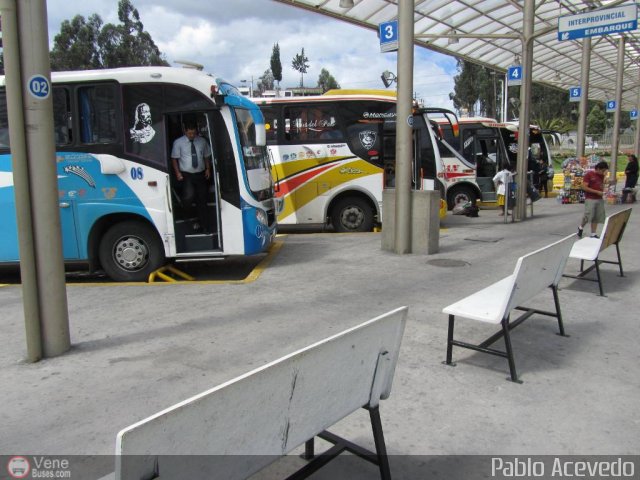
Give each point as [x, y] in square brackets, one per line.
[139, 349]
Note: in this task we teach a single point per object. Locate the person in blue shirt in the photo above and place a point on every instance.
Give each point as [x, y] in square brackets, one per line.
[191, 160]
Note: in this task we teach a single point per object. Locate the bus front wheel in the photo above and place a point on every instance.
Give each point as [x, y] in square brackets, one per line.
[352, 214]
[461, 194]
[130, 251]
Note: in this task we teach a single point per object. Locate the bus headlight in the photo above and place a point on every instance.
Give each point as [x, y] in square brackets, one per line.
[261, 216]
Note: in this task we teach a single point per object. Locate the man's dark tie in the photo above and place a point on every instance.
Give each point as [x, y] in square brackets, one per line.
[194, 155]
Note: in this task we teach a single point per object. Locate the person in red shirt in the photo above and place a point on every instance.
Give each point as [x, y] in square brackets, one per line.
[593, 187]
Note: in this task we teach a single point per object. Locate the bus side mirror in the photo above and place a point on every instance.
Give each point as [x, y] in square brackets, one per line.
[261, 135]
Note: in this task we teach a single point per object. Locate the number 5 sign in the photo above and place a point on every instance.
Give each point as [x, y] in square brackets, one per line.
[38, 87]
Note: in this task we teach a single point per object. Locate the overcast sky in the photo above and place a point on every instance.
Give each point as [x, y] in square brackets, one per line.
[234, 39]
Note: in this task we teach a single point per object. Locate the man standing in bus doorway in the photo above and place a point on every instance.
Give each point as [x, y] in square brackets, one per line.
[593, 187]
[191, 159]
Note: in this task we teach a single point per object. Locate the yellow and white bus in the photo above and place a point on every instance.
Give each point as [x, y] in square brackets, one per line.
[333, 154]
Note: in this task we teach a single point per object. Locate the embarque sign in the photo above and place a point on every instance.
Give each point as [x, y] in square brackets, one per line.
[599, 22]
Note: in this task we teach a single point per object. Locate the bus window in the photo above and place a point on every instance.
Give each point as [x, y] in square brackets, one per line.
[311, 124]
[271, 123]
[225, 160]
[143, 128]
[97, 106]
[255, 157]
[4, 121]
[62, 116]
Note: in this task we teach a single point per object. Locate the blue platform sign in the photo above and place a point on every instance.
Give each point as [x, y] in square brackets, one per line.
[39, 87]
[388, 33]
[575, 94]
[611, 106]
[633, 114]
[599, 22]
[514, 75]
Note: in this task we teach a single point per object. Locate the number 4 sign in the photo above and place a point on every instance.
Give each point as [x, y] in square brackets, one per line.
[514, 75]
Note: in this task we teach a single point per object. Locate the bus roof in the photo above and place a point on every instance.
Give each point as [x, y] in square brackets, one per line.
[330, 96]
[185, 76]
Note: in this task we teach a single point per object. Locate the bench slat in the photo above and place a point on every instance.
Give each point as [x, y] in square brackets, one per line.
[269, 411]
[487, 305]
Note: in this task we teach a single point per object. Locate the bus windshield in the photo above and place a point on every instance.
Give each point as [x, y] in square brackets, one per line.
[255, 157]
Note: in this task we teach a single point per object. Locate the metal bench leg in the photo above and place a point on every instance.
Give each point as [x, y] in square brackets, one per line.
[309, 449]
[378, 438]
[619, 260]
[507, 344]
[599, 278]
[450, 340]
[556, 300]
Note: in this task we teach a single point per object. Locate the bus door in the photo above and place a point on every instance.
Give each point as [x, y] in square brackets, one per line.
[424, 157]
[481, 146]
[190, 237]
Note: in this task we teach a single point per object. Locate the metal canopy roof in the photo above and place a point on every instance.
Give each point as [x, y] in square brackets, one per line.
[555, 63]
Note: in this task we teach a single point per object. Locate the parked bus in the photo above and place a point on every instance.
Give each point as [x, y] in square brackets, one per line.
[482, 148]
[120, 207]
[331, 152]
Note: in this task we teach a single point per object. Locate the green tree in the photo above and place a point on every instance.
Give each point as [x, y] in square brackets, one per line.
[326, 81]
[267, 81]
[473, 88]
[276, 65]
[88, 44]
[596, 121]
[128, 44]
[76, 46]
[300, 64]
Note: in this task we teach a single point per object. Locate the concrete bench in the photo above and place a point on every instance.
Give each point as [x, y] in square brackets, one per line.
[589, 249]
[238, 428]
[534, 273]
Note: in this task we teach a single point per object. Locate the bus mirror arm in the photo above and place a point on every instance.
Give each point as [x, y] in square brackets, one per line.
[273, 167]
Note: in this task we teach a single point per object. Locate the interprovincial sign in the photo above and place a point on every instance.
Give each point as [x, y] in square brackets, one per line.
[598, 22]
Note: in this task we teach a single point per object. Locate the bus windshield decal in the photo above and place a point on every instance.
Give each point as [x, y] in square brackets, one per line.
[142, 131]
[368, 139]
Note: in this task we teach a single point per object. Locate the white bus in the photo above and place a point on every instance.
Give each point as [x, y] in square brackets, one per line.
[331, 152]
[483, 147]
[120, 207]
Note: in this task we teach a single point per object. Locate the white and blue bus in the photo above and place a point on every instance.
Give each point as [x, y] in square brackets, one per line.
[120, 208]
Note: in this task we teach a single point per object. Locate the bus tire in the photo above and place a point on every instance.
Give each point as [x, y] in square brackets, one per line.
[352, 214]
[129, 251]
[461, 194]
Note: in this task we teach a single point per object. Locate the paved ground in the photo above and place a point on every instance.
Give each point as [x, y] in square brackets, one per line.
[139, 349]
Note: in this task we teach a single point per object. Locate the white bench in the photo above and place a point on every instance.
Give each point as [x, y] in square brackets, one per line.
[589, 248]
[534, 272]
[238, 428]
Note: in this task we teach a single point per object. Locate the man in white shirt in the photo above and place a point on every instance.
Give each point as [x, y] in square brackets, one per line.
[191, 159]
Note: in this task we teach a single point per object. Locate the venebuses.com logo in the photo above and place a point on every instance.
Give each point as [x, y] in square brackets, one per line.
[18, 467]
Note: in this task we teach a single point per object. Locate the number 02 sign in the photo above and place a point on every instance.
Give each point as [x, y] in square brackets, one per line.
[39, 87]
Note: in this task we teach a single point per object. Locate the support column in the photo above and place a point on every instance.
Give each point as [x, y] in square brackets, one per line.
[404, 146]
[636, 148]
[525, 109]
[584, 99]
[26, 49]
[615, 139]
